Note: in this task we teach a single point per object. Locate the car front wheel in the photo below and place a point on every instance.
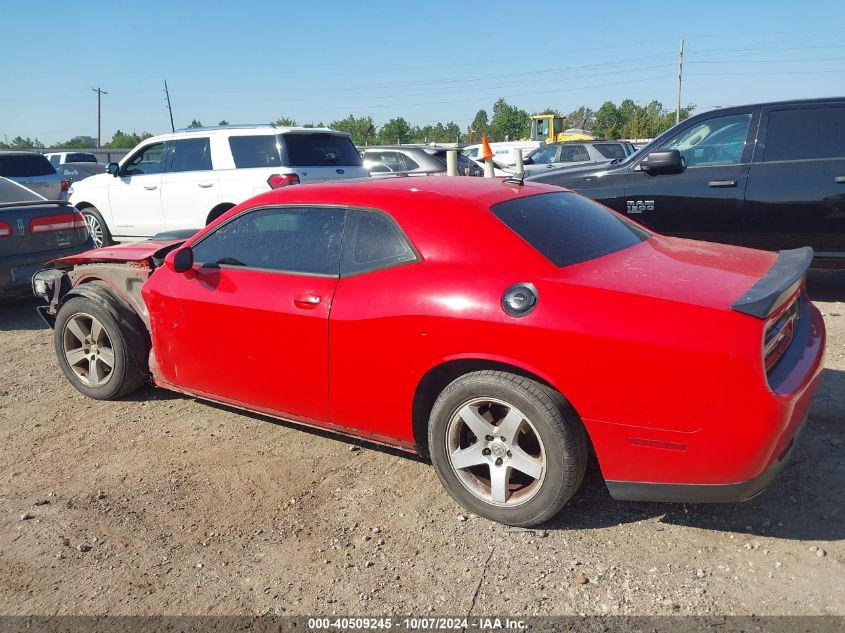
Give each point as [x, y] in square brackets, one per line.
[507, 447]
[100, 347]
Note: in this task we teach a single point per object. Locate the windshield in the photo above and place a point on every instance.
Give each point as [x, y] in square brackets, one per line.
[568, 229]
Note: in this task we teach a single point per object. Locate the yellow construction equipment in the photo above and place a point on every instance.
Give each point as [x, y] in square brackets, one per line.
[548, 128]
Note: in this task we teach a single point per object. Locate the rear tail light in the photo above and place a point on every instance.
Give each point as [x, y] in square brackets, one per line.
[779, 333]
[65, 185]
[277, 181]
[58, 222]
[5, 230]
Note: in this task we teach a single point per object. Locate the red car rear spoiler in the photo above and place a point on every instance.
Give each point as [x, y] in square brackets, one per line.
[777, 285]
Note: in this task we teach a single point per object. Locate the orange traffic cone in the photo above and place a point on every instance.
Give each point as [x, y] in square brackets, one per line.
[487, 157]
[486, 152]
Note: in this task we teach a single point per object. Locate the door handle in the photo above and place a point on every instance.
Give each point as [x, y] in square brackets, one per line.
[307, 301]
[549, 166]
[205, 185]
[722, 183]
[839, 180]
[150, 187]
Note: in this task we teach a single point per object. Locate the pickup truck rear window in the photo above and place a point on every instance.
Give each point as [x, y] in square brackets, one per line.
[568, 229]
[17, 165]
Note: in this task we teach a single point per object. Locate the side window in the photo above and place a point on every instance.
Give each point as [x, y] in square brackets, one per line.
[544, 155]
[610, 150]
[391, 160]
[54, 161]
[716, 141]
[191, 154]
[806, 133]
[371, 241]
[256, 151]
[286, 239]
[573, 153]
[146, 161]
[408, 163]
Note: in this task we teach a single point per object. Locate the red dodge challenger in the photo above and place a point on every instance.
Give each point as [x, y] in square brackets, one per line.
[499, 328]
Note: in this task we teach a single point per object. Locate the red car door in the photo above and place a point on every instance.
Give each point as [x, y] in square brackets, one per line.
[249, 324]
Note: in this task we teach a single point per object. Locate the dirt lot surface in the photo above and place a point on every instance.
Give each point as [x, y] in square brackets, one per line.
[160, 504]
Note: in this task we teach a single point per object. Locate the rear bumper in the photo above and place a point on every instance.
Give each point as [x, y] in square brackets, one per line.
[701, 493]
[16, 272]
[746, 440]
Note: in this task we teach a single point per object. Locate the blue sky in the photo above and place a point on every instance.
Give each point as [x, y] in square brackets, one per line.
[253, 61]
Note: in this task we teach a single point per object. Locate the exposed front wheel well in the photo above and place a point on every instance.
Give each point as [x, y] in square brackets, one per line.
[437, 378]
[217, 211]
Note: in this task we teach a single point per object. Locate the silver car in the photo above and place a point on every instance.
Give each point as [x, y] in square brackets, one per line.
[413, 160]
[33, 171]
[557, 155]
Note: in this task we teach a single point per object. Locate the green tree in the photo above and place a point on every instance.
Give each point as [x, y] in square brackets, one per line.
[582, 118]
[223, 122]
[362, 129]
[20, 142]
[509, 122]
[479, 127]
[78, 143]
[195, 123]
[124, 140]
[395, 131]
[284, 121]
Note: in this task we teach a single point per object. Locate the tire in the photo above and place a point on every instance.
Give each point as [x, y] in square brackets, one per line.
[535, 460]
[97, 227]
[116, 364]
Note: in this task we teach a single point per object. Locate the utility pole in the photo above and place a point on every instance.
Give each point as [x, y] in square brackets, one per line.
[100, 92]
[169, 108]
[680, 79]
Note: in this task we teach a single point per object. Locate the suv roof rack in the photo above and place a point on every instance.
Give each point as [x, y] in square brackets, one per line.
[242, 126]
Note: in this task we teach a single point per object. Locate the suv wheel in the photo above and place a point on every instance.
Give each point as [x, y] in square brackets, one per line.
[506, 447]
[97, 227]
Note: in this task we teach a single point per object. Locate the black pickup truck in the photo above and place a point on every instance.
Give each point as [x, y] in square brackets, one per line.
[768, 176]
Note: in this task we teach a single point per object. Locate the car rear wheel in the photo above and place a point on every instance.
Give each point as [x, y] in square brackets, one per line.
[507, 447]
[97, 227]
[100, 347]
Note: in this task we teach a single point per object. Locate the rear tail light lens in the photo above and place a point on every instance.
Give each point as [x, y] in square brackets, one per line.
[58, 222]
[779, 333]
[277, 181]
[5, 230]
[65, 185]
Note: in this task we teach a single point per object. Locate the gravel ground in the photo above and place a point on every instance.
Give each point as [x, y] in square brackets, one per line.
[161, 504]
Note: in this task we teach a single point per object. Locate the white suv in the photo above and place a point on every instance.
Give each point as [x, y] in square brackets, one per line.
[187, 179]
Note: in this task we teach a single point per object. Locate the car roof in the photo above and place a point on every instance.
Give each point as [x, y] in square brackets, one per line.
[244, 130]
[19, 152]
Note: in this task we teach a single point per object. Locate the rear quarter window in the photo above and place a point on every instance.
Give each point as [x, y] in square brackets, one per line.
[568, 229]
[320, 150]
[611, 151]
[256, 151]
[17, 165]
